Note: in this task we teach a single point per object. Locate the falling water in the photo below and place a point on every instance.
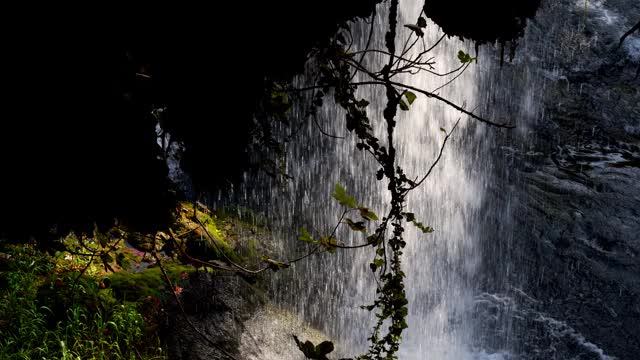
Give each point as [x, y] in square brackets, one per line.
[445, 274]
[464, 281]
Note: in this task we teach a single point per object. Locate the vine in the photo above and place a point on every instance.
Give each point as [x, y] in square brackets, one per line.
[337, 70]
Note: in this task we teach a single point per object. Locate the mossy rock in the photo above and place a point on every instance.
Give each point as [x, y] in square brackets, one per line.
[147, 283]
[212, 244]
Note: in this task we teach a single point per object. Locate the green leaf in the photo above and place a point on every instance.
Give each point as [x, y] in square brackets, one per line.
[367, 214]
[122, 261]
[422, 227]
[378, 262]
[107, 258]
[329, 243]
[340, 194]
[374, 239]
[305, 236]
[411, 97]
[409, 215]
[355, 226]
[464, 57]
[403, 105]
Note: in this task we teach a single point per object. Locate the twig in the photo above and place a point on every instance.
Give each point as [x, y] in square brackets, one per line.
[373, 20]
[315, 120]
[433, 165]
[453, 79]
[437, 97]
[214, 242]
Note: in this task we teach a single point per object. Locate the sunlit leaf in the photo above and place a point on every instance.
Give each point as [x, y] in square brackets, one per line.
[411, 97]
[367, 214]
[329, 243]
[305, 236]
[340, 194]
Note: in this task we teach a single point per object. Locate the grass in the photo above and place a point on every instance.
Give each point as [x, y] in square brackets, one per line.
[71, 305]
[45, 316]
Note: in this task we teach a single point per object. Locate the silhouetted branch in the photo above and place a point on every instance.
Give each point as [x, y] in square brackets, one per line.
[636, 27]
[437, 97]
[433, 165]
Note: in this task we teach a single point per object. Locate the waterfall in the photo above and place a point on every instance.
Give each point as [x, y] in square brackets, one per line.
[447, 282]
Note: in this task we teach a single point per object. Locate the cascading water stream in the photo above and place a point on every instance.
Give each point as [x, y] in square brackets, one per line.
[443, 268]
[473, 284]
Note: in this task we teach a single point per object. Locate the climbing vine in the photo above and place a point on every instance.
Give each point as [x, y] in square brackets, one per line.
[337, 69]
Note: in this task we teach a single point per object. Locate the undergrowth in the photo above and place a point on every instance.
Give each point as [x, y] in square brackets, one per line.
[50, 315]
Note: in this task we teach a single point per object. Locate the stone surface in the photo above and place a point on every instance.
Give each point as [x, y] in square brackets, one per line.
[576, 205]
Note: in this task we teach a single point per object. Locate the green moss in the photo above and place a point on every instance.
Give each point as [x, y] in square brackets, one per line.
[250, 251]
[199, 243]
[147, 283]
[244, 215]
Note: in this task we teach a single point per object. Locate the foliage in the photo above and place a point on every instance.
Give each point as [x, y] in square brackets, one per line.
[91, 324]
[148, 283]
[465, 58]
[213, 247]
[337, 67]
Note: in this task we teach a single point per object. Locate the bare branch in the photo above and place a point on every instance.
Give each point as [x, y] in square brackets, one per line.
[315, 120]
[373, 20]
[433, 165]
[440, 98]
[453, 79]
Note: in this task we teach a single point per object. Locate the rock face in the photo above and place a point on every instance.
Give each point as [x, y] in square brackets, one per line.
[268, 336]
[217, 306]
[575, 202]
[569, 184]
[236, 316]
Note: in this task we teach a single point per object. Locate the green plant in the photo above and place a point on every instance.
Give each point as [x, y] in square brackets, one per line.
[337, 67]
[94, 326]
